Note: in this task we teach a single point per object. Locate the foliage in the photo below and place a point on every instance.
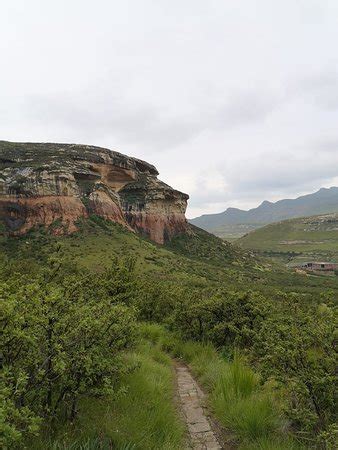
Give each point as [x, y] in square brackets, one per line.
[291, 343]
[248, 409]
[226, 318]
[281, 323]
[63, 336]
[141, 415]
[297, 349]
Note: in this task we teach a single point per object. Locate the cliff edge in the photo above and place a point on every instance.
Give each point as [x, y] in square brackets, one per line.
[45, 184]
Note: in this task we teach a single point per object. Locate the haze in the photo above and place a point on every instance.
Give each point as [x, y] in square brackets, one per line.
[233, 101]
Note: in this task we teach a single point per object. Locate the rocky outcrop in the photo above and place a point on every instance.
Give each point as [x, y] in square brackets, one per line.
[55, 185]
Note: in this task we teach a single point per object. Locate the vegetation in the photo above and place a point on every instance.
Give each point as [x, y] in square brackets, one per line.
[247, 409]
[141, 414]
[297, 240]
[290, 343]
[81, 369]
[63, 336]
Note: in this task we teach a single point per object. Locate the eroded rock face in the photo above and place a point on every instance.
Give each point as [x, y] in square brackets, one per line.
[55, 185]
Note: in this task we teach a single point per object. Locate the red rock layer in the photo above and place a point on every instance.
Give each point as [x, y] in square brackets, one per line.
[158, 227]
[102, 204]
[21, 214]
[62, 212]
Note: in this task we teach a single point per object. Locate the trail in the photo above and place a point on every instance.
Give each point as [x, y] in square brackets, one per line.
[200, 427]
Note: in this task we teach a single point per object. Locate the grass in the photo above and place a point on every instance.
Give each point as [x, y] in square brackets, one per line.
[146, 415]
[238, 381]
[142, 416]
[275, 443]
[250, 411]
[186, 262]
[232, 232]
[297, 239]
[95, 443]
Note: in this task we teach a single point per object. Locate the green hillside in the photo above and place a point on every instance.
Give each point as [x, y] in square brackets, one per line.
[196, 255]
[94, 324]
[193, 260]
[313, 238]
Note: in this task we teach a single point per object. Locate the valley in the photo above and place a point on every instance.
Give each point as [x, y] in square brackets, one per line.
[98, 310]
[168, 225]
[192, 296]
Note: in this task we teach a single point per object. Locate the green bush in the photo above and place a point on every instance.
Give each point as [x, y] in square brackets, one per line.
[64, 334]
[245, 407]
[288, 340]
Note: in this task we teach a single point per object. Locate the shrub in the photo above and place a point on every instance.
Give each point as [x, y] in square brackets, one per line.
[63, 335]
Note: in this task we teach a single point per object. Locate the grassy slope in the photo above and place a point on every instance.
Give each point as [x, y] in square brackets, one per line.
[308, 238]
[198, 261]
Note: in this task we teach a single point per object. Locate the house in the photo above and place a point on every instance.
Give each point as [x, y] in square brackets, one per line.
[320, 266]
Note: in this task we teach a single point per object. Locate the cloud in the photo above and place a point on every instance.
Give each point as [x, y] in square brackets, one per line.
[325, 145]
[234, 102]
[96, 113]
[265, 178]
[321, 89]
[103, 114]
[243, 108]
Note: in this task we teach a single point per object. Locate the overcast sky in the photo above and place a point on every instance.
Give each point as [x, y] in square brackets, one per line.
[234, 101]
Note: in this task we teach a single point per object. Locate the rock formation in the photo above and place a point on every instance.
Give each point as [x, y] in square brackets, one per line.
[55, 185]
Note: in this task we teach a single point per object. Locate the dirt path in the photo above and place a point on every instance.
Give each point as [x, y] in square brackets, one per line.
[200, 427]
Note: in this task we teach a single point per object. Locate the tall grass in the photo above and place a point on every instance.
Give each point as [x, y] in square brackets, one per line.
[249, 410]
[238, 381]
[94, 443]
[242, 403]
[146, 415]
[142, 416]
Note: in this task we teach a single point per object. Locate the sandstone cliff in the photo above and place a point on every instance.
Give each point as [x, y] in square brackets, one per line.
[58, 184]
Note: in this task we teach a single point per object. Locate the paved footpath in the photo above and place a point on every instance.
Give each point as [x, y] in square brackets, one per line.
[201, 434]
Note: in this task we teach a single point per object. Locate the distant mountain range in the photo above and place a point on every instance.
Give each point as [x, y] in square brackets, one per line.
[235, 222]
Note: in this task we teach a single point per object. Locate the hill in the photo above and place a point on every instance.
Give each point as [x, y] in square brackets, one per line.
[234, 223]
[80, 300]
[192, 260]
[55, 185]
[314, 238]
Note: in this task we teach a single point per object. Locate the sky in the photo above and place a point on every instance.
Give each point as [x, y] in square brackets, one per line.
[234, 101]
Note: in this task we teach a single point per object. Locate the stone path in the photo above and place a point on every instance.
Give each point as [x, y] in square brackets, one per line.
[191, 397]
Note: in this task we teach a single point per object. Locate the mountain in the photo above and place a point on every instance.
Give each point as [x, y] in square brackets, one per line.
[55, 185]
[238, 222]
